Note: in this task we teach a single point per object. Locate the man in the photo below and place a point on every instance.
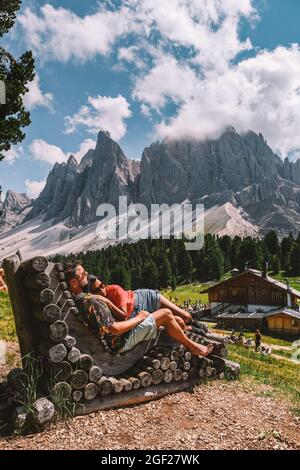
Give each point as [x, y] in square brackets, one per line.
[257, 340]
[125, 334]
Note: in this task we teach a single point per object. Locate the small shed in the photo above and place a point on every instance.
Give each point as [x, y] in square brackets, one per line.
[283, 322]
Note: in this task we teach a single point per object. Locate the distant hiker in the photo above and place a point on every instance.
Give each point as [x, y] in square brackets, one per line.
[257, 340]
[233, 338]
[241, 339]
[130, 330]
[3, 286]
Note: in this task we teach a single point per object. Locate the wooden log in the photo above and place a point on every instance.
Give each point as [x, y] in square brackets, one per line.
[59, 267]
[135, 382]
[181, 351]
[216, 337]
[219, 363]
[64, 286]
[69, 341]
[187, 356]
[62, 371]
[85, 362]
[165, 363]
[90, 391]
[117, 385]
[145, 379]
[105, 387]
[57, 353]
[95, 374]
[208, 371]
[204, 362]
[126, 384]
[77, 395]
[186, 365]
[38, 282]
[58, 331]
[61, 276]
[44, 297]
[173, 365]
[177, 375]
[38, 264]
[49, 313]
[185, 375]
[17, 296]
[232, 369]
[174, 355]
[79, 379]
[74, 355]
[152, 362]
[202, 373]
[157, 376]
[61, 390]
[168, 376]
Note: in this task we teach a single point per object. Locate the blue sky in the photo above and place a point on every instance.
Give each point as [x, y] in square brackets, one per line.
[145, 72]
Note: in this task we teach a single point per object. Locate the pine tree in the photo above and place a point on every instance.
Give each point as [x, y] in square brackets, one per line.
[275, 264]
[295, 259]
[15, 74]
[165, 273]
[272, 242]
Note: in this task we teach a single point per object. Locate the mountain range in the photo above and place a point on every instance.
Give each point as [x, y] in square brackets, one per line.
[246, 188]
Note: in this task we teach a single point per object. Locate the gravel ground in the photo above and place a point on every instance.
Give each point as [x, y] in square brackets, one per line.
[217, 415]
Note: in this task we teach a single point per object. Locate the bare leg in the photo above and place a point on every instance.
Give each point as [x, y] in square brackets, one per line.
[164, 317]
[166, 303]
[182, 324]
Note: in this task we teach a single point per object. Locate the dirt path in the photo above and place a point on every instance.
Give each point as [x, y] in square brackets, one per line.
[218, 415]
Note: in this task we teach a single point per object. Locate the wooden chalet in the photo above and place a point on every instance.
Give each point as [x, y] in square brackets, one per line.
[252, 299]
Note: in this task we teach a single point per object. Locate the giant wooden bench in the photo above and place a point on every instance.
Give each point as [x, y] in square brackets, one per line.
[78, 366]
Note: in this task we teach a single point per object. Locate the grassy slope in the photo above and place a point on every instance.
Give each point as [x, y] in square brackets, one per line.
[282, 375]
[7, 325]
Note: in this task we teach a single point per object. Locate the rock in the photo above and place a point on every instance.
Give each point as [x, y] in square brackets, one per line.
[43, 410]
[14, 209]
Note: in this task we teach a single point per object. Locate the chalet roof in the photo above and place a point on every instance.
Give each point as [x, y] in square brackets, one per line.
[258, 274]
[286, 311]
[242, 315]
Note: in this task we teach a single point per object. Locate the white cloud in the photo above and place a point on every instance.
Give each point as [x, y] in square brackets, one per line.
[48, 153]
[167, 79]
[101, 112]
[13, 154]
[62, 35]
[34, 188]
[51, 154]
[35, 97]
[261, 93]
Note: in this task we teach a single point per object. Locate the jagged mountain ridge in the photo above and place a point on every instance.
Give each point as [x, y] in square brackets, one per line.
[14, 209]
[238, 169]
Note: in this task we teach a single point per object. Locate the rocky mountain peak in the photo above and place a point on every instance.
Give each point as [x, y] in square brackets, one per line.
[14, 209]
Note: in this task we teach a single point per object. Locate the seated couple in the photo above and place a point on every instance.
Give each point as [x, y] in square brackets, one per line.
[125, 318]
